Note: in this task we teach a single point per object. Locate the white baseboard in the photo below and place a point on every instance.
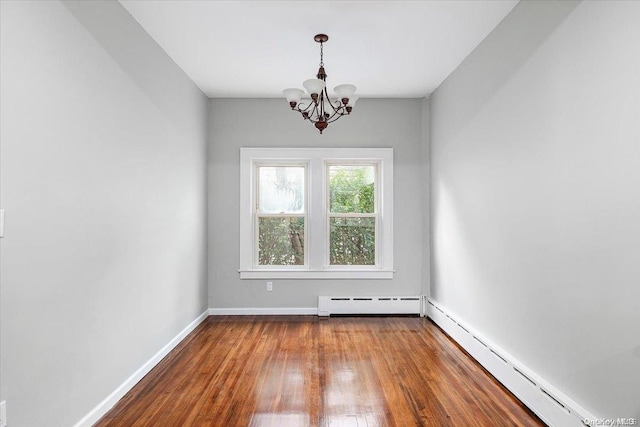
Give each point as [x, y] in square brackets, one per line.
[108, 403]
[552, 406]
[263, 311]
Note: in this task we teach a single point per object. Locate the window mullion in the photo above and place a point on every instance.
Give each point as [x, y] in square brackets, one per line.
[280, 215]
[316, 215]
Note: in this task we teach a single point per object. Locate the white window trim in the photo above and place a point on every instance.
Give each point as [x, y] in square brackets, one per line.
[316, 255]
[288, 162]
[378, 208]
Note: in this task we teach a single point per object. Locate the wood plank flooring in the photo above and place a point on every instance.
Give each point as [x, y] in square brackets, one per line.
[301, 371]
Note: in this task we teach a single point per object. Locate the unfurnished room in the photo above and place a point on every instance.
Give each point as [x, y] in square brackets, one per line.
[319, 213]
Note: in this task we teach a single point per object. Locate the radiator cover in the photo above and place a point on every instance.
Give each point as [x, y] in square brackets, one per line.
[369, 305]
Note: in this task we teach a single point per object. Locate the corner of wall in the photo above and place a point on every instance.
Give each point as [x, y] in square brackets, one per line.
[425, 162]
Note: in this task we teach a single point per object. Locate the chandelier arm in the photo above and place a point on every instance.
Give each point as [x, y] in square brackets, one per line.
[314, 116]
[316, 112]
[301, 110]
[335, 108]
[337, 111]
[309, 112]
[335, 117]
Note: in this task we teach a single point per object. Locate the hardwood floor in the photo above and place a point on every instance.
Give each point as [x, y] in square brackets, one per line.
[307, 371]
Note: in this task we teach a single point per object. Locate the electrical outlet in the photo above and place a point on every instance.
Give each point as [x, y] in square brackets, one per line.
[3, 414]
[269, 286]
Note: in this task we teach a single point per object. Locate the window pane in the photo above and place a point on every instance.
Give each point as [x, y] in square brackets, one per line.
[352, 241]
[281, 241]
[281, 189]
[351, 188]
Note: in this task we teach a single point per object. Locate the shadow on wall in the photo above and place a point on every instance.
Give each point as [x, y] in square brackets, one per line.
[135, 52]
[496, 60]
[508, 50]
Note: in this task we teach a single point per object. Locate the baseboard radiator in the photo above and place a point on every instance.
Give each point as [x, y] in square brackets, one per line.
[553, 407]
[369, 305]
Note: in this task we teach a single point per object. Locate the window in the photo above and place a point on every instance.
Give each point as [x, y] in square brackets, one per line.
[352, 214]
[316, 213]
[281, 215]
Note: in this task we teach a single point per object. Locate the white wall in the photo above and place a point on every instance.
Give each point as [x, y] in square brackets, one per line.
[103, 180]
[236, 123]
[536, 196]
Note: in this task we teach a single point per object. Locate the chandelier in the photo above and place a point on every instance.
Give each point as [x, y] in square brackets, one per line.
[321, 110]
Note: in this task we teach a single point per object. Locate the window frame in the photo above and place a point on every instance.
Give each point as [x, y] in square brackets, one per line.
[257, 214]
[328, 215]
[317, 262]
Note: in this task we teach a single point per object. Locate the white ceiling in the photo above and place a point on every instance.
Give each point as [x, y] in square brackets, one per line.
[388, 49]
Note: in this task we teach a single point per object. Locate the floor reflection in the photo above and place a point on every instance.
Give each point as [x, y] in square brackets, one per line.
[280, 420]
[353, 396]
[282, 393]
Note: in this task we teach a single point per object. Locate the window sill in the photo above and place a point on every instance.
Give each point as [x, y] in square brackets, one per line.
[316, 274]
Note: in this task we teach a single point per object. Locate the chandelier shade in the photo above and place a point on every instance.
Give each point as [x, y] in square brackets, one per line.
[293, 95]
[344, 91]
[314, 86]
[321, 109]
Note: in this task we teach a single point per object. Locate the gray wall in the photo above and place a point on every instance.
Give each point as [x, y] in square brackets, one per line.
[536, 196]
[103, 180]
[236, 123]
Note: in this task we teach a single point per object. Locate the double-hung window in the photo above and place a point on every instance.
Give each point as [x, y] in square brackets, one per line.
[280, 214]
[352, 214]
[316, 213]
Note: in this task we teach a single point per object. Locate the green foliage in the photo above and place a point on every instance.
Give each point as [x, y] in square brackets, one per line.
[281, 241]
[352, 241]
[349, 191]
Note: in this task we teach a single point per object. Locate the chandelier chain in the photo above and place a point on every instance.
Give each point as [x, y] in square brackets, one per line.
[321, 55]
